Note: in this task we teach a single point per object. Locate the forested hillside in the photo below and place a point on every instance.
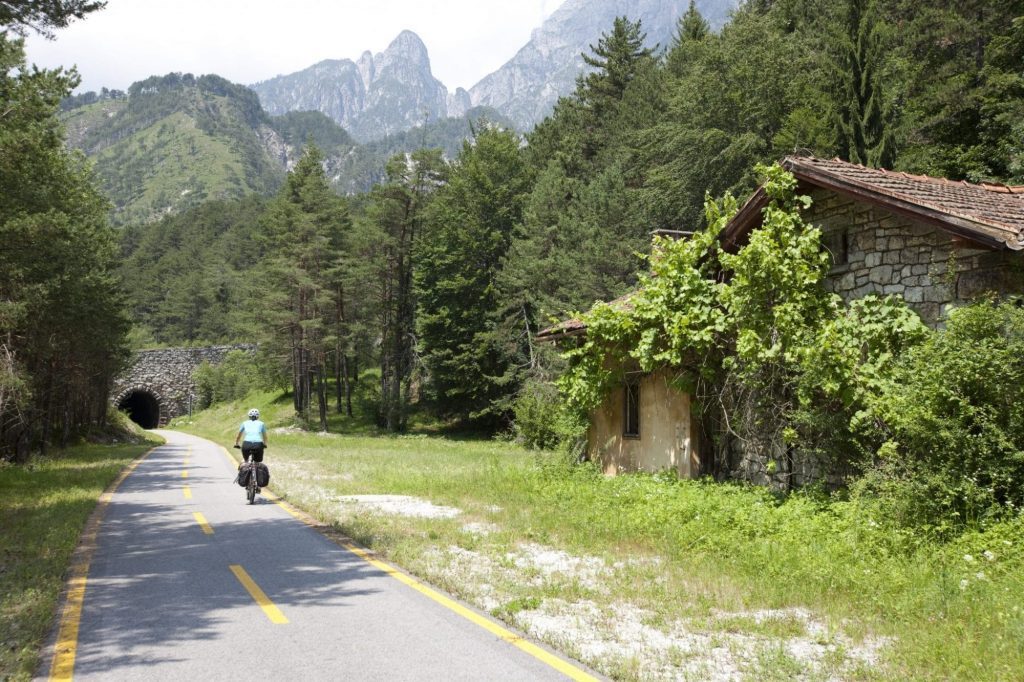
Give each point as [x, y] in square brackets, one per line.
[172, 142]
[457, 264]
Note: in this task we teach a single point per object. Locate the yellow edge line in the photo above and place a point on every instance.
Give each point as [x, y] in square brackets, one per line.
[562, 666]
[203, 523]
[188, 492]
[63, 665]
[273, 613]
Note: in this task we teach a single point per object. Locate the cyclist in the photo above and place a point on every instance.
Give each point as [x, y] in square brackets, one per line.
[255, 432]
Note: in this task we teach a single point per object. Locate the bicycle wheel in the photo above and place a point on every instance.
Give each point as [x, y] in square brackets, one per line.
[250, 490]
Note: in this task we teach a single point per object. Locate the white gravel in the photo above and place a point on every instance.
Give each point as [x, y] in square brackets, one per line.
[403, 505]
[621, 633]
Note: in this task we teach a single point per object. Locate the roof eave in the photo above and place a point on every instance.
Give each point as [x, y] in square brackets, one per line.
[750, 214]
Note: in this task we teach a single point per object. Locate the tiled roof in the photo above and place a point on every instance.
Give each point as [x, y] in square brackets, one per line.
[986, 213]
[575, 326]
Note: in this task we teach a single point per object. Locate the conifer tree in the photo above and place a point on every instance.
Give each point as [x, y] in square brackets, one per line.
[62, 321]
[305, 224]
[472, 220]
[863, 119]
[398, 213]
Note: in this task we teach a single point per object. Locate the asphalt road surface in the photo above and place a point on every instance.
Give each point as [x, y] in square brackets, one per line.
[188, 582]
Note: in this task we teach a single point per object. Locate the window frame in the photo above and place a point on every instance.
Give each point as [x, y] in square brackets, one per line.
[631, 408]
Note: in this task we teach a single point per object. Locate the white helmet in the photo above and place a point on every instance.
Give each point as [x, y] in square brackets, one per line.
[254, 413]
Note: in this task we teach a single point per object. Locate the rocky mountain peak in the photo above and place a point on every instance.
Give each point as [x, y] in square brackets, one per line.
[527, 86]
[378, 95]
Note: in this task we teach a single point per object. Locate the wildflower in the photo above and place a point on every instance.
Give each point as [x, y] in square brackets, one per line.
[989, 556]
[980, 575]
[968, 558]
[964, 583]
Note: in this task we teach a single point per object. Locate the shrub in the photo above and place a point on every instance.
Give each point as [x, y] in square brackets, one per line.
[953, 422]
[235, 377]
[542, 421]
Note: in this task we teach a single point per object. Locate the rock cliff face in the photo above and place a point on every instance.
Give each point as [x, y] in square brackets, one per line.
[393, 91]
[379, 95]
[526, 88]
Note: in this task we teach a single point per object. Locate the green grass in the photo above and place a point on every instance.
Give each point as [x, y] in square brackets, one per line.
[44, 506]
[704, 553]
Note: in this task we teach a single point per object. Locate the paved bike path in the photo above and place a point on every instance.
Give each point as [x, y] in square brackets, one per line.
[163, 602]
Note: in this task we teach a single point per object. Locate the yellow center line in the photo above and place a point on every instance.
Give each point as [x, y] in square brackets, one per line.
[184, 474]
[272, 612]
[201, 520]
[562, 666]
[188, 492]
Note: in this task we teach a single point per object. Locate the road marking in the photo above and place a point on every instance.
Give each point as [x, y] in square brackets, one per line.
[184, 474]
[272, 612]
[562, 666]
[201, 520]
[63, 665]
[188, 492]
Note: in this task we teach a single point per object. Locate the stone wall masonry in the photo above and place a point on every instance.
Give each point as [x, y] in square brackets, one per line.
[890, 254]
[166, 374]
[885, 254]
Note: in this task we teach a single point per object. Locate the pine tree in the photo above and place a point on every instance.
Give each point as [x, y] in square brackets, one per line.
[472, 219]
[398, 213]
[305, 224]
[863, 119]
[62, 322]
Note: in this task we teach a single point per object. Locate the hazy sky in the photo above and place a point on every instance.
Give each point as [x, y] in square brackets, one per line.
[251, 40]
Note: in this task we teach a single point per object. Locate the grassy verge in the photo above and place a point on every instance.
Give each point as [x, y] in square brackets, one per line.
[669, 579]
[44, 506]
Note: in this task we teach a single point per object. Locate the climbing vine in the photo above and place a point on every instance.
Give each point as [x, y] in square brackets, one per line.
[753, 334]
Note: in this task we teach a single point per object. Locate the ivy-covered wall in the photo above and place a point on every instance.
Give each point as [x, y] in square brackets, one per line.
[889, 254]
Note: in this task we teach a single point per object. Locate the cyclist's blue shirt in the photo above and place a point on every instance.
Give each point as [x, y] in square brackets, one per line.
[253, 430]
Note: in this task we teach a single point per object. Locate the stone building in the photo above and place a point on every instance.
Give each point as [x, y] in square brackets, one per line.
[932, 241]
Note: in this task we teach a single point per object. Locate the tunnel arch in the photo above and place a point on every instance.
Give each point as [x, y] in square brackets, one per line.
[142, 405]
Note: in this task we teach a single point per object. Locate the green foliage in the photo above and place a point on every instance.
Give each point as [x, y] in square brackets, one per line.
[543, 422]
[62, 322]
[194, 277]
[471, 226]
[175, 142]
[783, 362]
[305, 228]
[43, 16]
[953, 421]
[237, 375]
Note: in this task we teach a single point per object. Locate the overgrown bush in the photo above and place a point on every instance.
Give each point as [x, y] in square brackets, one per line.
[783, 364]
[235, 377]
[953, 421]
[542, 421]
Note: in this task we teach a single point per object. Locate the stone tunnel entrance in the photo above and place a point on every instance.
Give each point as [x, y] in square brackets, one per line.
[142, 407]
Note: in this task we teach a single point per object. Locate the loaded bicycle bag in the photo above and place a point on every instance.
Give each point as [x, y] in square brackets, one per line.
[262, 475]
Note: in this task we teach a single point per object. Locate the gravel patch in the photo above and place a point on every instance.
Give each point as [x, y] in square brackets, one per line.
[480, 528]
[403, 505]
[724, 647]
